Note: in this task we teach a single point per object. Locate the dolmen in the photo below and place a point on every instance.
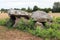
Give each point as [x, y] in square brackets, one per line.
[39, 17]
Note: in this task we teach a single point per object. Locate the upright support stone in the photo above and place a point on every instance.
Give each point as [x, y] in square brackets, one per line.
[16, 21]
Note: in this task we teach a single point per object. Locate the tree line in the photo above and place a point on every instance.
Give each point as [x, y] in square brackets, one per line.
[56, 8]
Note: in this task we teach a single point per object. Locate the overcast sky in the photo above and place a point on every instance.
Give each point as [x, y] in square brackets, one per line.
[27, 3]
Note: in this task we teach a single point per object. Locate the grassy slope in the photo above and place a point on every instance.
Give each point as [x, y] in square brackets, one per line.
[13, 34]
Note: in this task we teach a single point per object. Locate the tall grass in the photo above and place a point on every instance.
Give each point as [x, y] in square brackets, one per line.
[50, 33]
[3, 22]
[25, 26]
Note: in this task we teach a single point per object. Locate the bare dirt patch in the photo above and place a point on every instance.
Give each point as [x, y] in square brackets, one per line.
[13, 34]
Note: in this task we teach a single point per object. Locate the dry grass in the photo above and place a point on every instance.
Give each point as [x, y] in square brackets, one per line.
[55, 14]
[4, 15]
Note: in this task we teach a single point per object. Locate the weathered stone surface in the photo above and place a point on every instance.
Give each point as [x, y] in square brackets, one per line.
[18, 13]
[41, 16]
[38, 24]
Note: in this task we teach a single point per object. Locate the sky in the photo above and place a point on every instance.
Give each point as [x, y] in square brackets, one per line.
[26, 3]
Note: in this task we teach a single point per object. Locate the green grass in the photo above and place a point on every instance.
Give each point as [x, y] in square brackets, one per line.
[52, 32]
[2, 22]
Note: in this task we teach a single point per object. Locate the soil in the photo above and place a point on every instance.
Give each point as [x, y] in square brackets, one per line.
[14, 34]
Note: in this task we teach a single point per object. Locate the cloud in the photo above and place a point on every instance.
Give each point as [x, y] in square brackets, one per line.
[26, 3]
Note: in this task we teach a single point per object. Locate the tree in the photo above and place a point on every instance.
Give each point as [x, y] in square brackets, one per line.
[16, 9]
[47, 9]
[29, 9]
[24, 9]
[56, 7]
[35, 8]
[4, 10]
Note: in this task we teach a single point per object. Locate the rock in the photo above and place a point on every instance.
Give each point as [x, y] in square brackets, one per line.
[41, 16]
[15, 16]
[16, 22]
[38, 24]
[18, 13]
[38, 16]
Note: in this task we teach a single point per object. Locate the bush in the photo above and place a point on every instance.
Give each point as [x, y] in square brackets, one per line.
[58, 20]
[3, 22]
[55, 26]
[46, 33]
[25, 26]
[9, 23]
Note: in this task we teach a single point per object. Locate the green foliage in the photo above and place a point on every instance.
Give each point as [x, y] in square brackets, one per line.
[55, 26]
[4, 10]
[58, 20]
[24, 9]
[56, 7]
[58, 34]
[23, 26]
[29, 9]
[9, 23]
[47, 33]
[3, 22]
[16, 9]
[52, 32]
[35, 8]
[47, 9]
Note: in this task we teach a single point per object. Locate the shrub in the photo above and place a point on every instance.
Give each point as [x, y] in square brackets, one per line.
[21, 25]
[46, 33]
[25, 26]
[55, 26]
[3, 22]
[58, 20]
[58, 34]
[9, 23]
